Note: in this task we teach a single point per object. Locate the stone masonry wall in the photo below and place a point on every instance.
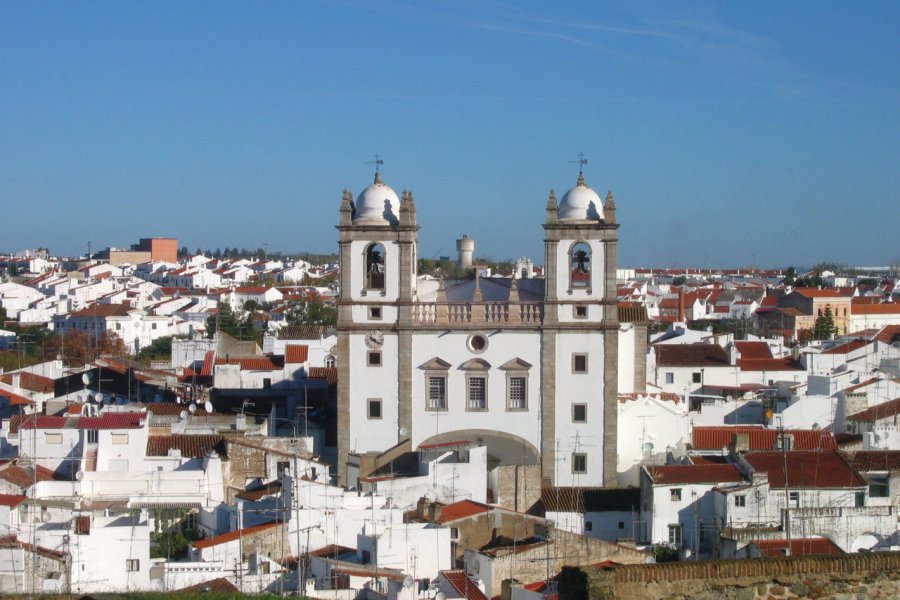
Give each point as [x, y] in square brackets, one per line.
[519, 486]
[861, 576]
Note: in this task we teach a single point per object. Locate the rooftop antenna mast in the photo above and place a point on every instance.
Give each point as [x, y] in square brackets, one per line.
[580, 162]
[377, 162]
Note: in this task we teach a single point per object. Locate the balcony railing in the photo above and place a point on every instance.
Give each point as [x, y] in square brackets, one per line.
[477, 312]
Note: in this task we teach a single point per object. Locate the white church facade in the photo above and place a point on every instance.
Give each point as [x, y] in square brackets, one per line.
[525, 367]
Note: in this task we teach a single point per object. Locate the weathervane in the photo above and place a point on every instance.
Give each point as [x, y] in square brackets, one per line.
[581, 162]
[377, 162]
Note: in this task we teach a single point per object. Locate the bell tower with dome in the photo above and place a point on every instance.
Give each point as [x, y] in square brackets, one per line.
[580, 332]
[377, 246]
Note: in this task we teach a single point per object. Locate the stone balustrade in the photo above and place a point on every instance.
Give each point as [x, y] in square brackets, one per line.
[494, 313]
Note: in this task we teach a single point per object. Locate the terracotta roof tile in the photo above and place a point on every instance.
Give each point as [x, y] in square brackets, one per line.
[770, 364]
[327, 373]
[689, 474]
[234, 535]
[102, 311]
[220, 585]
[759, 438]
[886, 308]
[296, 354]
[753, 350]
[884, 410]
[191, 446]
[11, 500]
[461, 510]
[799, 547]
[806, 469]
[847, 347]
[691, 355]
[465, 587]
[876, 460]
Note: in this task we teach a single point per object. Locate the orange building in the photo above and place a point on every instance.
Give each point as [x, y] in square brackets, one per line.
[165, 249]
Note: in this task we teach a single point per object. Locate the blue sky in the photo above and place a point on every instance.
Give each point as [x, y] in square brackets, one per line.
[729, 132]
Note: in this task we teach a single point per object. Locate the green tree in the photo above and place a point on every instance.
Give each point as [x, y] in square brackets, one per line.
[790, 276]
[824, 327]
[310, 311]
[159, 349]
[224, 320]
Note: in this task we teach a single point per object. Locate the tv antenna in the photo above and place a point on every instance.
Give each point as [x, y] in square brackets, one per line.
[580, 162]
[377, 162]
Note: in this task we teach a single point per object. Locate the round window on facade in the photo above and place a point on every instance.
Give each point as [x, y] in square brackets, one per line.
[477, 342]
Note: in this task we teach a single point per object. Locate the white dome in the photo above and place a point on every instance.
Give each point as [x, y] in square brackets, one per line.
[376, 204]
[581, 203]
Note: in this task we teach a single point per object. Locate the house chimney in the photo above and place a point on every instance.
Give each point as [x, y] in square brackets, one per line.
[740, 442]
[734, 354]
[681, 315]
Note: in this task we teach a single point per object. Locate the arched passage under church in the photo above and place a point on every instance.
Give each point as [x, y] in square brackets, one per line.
[502, 448]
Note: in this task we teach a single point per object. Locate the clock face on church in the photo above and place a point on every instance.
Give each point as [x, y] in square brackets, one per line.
[374, 340]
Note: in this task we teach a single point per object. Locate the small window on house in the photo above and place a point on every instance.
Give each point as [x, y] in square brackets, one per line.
[374, 358]
[675, 534]
[118, 326]
[740, 500]
[375, 313]
[119, 438]
[579, 363]
[374, 408]
[366, 557]
[282, 468]
[670, 377]
[153, 326]
[695, 377]
[477, 343]
[621, 524]
[579, 462]
[579, 413]
[132, 565]
[454, 533]
[330, 361]
[581, 312]
[860, 499]
[675, 494]
[267, 383]
[588, 526]
[53, 438]
[879, 486]
[92, 436]
[794, 499]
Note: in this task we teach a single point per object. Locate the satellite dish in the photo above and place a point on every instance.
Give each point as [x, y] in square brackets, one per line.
[79, 476]
[408, 582]
[85, 379]
[208, 406]
[99, 398]
[45, 516]
[192, 408]
[183, 415]
[87, 502]
[648, 446]
[403, 431]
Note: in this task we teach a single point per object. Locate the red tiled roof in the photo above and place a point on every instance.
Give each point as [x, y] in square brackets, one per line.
[256, 363]
[220, 585]
[82, 525]
[11, 500]
[805, 469]
[759, 438]
[770, 364]
[294, 354]
[327, 373]
[191, 446]
[465, 587]
[234, 535]
[127, 420]
[25, 478]
[15, 399]
[799, 547]
[820, 293]
[753, 350]
[691, 355]
[102, 311]
[889, 334]
[208, 361]
[879, 411]
[876, 460]
[30, 381]
[861, 384]
[462, 510]
[688, 474]
[847, 347]
[885, 308]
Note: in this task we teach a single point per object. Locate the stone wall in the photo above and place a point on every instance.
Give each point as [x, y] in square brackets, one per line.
[861, 576]
[518, 486]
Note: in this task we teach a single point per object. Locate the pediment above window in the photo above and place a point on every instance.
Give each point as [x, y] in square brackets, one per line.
[475, 364]
[516, 364]
[435, 364]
